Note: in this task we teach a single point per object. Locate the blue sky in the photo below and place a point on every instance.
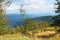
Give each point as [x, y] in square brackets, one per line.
[34, 7]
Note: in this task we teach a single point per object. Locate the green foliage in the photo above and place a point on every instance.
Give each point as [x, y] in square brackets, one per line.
[18, 29]
[3, 20]
[58, 7]
[3, 30]
[56, 19]
[33, 25]
[9, 30]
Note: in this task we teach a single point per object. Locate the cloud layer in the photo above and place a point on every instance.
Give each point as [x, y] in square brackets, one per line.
[32, 6]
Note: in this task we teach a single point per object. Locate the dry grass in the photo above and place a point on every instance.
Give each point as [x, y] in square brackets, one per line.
[14, 37]
[21, 37]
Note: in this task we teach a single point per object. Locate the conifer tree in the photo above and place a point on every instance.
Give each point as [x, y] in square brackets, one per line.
[3, 20]
[56, 18]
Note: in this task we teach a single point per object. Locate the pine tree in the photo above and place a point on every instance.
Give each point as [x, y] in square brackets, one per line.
[58, 6]
[56, 19]
[3, 20]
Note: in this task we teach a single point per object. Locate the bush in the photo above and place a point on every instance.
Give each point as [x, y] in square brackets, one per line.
[3, 30]
[8, 30]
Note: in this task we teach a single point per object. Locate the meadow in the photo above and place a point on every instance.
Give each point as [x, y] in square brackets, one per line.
[34, 30]
[22, 37]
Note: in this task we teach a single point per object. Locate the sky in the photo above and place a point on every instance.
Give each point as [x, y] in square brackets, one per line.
[34, 7]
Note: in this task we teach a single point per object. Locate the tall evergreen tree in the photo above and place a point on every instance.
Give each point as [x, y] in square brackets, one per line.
[3, 20]
[58, 6]
[56, 19]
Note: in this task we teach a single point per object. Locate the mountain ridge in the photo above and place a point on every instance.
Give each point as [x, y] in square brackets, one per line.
[14, 19]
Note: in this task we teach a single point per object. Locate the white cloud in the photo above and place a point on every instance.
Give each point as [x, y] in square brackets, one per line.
[39, 6]
[34, 6]
[13, 6]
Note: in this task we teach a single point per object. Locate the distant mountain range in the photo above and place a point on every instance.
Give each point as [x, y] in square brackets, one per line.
[16, 19]
[44, 18]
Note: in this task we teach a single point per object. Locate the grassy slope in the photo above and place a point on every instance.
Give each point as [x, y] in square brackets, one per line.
[21, 37]
[14, 37]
